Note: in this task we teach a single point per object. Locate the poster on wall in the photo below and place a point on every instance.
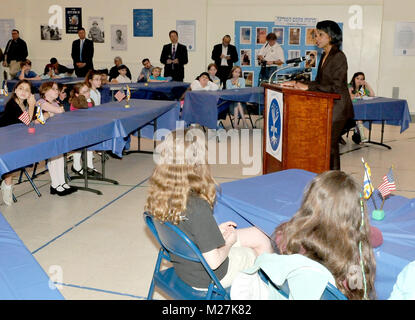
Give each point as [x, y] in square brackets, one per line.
[6, 27]
[274, 125]
[118, 37]
[404, 39]
[50, 33]
[96, 29]
[73, 19]
[143, 22]
[187, 33]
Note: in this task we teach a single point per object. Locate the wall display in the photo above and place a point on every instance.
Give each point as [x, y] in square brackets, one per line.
[119, 37]
[249, 78]
[295, 35]
[404, 39]
[73, 19]
[50, 33]
[96, 29]
[187, 33]
[6, 27]
[143, 22]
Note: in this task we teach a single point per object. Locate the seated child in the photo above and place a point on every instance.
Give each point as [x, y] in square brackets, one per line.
[26, 72]
[122, 77]
[203, 82]
[156, 75]
[212, 70]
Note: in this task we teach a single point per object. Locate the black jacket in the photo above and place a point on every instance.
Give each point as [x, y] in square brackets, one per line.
[16, 50]
[176, 72]
[217, 51]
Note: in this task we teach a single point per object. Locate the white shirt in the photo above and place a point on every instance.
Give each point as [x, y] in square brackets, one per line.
[123, 79]
[195, 86]
[272, 53]
[95, 96]
[224, 62]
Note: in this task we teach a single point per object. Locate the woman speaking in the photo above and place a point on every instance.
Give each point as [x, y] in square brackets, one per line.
[331, 77]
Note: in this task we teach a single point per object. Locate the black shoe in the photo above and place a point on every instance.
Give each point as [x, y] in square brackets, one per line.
[342, 141]
[80, 172]
[93, 172]
[69, 188]
[59, 193]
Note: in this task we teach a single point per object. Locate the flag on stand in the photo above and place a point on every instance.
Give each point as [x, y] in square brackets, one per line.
[388, 184]
[367, 184]
[119, 95]
[128, 93]
[24, 117]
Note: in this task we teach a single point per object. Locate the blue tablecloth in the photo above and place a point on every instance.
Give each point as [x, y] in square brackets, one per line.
[393, 111]
[202, 106]
[103, 127]
[37, 83]
[21, 276]
[267, 201]
[171, 90]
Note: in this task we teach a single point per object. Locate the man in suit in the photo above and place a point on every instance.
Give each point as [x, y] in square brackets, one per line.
[174, 57]
[82, 54]
[225, 55]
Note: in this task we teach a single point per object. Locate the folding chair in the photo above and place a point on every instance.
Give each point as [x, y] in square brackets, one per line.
[173, 240]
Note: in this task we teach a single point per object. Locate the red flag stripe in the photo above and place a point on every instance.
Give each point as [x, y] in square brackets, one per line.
[24, 117]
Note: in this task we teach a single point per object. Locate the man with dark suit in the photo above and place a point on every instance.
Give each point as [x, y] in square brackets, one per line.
[82, 54]
[225, 55]
[174, 57]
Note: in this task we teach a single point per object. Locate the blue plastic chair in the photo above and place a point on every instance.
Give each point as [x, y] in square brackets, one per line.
[175, 241]
[330, 293]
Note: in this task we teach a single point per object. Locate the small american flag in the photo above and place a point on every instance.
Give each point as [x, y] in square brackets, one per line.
[24, 117]
[119, 95]
[388, 184]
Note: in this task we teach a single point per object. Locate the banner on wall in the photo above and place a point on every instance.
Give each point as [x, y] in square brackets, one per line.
[274, 125]
[187, 33]
[404, 39]
[143, 22]
[295, 21]
[73, 19]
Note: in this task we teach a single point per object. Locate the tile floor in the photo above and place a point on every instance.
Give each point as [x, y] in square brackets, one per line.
[97, 246]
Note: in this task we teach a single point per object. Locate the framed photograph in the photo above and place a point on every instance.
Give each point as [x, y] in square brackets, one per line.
[279, 32]
[246, 57]
[73, 19]
[245, 35]
[312, 63]
[310, 36]
[96, 29]
[261, 35]
[249, 78]
[118, 37]
[294, 36]
[50, 33]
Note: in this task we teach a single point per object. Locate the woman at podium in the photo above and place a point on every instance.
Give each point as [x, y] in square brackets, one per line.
[331, 77]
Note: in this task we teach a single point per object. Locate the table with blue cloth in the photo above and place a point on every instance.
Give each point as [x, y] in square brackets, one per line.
[269, 200]
[202, 106]
[171, 90]
[37, 83]
[21, 276]
[384, 111]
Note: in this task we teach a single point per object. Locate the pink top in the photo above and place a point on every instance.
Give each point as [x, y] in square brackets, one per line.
[72, 108]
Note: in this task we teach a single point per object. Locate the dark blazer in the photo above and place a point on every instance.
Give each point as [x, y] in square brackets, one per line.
[16, 50]
[176, 72]
[87, 54]
[217, 51]
[332, 77]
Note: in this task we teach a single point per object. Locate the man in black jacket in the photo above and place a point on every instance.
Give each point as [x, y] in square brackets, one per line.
[174, 57]
[225, 55]
[16, 52]
[82, 54]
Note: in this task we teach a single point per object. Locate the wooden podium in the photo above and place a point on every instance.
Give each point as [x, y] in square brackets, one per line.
[297, 129]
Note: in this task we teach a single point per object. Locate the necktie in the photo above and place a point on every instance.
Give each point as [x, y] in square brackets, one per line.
[80, 52]
[173, 55]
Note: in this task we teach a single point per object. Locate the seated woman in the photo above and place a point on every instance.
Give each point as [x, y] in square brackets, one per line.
[114, 70]
[235, 82]
[212, 70]
[203, 82]
[156, 76]
[332, 228]
[359, 88]
[26, 72]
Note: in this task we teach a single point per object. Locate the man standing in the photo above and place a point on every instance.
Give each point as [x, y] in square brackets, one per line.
[174, 57]
[270, 56]
[225, 55]
[15, 53]
[82, 54]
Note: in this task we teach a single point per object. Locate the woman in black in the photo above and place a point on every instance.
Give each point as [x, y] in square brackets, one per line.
[331, 77]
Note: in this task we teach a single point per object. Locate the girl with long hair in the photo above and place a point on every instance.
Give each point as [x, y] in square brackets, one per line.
[236, 81]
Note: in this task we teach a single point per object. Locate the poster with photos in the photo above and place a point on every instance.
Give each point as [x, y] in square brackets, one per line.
[118, 37]
[96, 29]
[312, 63]
[261, 35]
[249, 78]
[294, 36]
[246, 57]
[73, 19]
[279, 32]
[245, 35]
[310, 36]
[50, 33]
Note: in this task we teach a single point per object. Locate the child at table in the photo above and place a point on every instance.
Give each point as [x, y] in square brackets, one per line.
[80, 98]
[63, 97]
[155, 75]
[235, 82]
[19, 108]
[332, 227]
[26, 71]
[183, 192]
[404, 288]
[203, 83]
[122, 77]
[212, 70]
[48, 105]
[93, 81]
[359, 88]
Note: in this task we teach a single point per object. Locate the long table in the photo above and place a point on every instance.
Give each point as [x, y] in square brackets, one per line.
[267, 201]
[171, 90]
[37, 83]
[21, 276]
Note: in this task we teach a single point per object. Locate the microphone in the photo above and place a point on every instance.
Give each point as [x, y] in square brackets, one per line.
[297, 60]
